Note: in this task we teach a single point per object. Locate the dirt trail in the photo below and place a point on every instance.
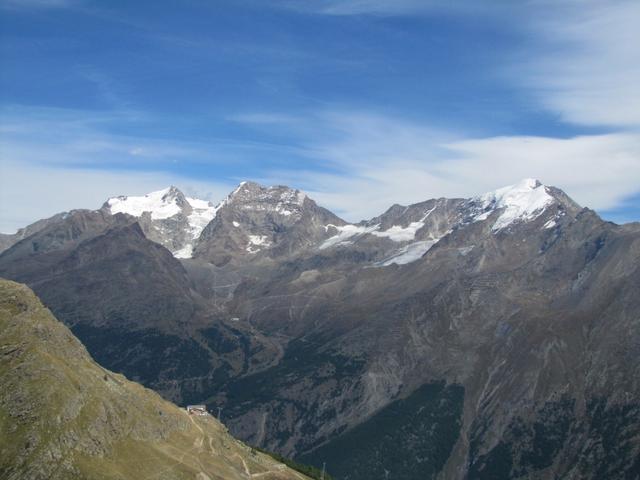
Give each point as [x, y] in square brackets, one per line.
[211, 447]
[194, 453]
[198, 445]
[244, 464]
[198, 442]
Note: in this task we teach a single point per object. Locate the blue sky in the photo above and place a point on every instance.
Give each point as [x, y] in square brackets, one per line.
[362, 103]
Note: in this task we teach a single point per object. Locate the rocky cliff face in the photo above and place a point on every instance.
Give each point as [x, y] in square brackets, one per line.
[501, 328]
[259, 223]
[63, 416]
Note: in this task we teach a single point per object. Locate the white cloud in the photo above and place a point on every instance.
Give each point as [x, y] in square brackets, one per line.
[357, 164]
[25, 4]
[355, 7]
[363, 163]
[376, 161]
[54, 160]
[57, 136]
[264, 118]
[581, 63]
[598, 171]
[580, 59]
[384, 7]
[586, 61]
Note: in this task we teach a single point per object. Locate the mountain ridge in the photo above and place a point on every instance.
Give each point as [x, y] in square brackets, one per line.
[177, 222]
[506, 306]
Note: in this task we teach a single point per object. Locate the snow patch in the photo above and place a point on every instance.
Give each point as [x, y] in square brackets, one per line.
[202, 212]
[410, 253]
[403, 234]
[345, 233]
[257, 241]
[283, 210]
[396, 233]
[236, 224]
[160, 204]
[289, 199]
[184, 252]
[400, 234]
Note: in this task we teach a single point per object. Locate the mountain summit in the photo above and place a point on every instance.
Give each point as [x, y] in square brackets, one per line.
[263, 222]
[167, 217]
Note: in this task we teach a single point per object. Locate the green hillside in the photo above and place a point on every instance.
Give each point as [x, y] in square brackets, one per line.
[62, 416]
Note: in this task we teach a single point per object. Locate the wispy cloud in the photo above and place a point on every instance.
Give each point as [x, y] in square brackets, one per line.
[54, 160]
[128, 139]
[66, 137]
[378, 161]
[580, 59]
[260, 118]
[38, 4]
[577, 60]
[353, 162]
[379, 7]
[587, 63]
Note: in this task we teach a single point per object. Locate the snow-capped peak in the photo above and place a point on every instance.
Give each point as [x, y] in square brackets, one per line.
[166, 204]
[523, 201]
[161, 204]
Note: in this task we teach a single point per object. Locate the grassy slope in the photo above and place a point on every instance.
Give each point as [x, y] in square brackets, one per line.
[63, 416]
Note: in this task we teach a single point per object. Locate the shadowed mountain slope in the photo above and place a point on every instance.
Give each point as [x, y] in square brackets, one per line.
[131, 303]
[62, 416]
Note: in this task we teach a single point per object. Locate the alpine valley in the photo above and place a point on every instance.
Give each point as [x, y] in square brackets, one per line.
[64, 417]
[485, 338]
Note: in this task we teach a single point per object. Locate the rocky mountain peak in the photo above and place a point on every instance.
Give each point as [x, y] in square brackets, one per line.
[167, 217]
[280, 200]
[270, 221]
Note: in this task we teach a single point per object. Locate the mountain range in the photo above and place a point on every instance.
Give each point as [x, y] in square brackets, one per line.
[491, 337]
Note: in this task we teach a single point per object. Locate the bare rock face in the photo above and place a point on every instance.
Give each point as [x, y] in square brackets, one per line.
[8, 240]
[256, 222]
[502, 329]
[63, 232]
